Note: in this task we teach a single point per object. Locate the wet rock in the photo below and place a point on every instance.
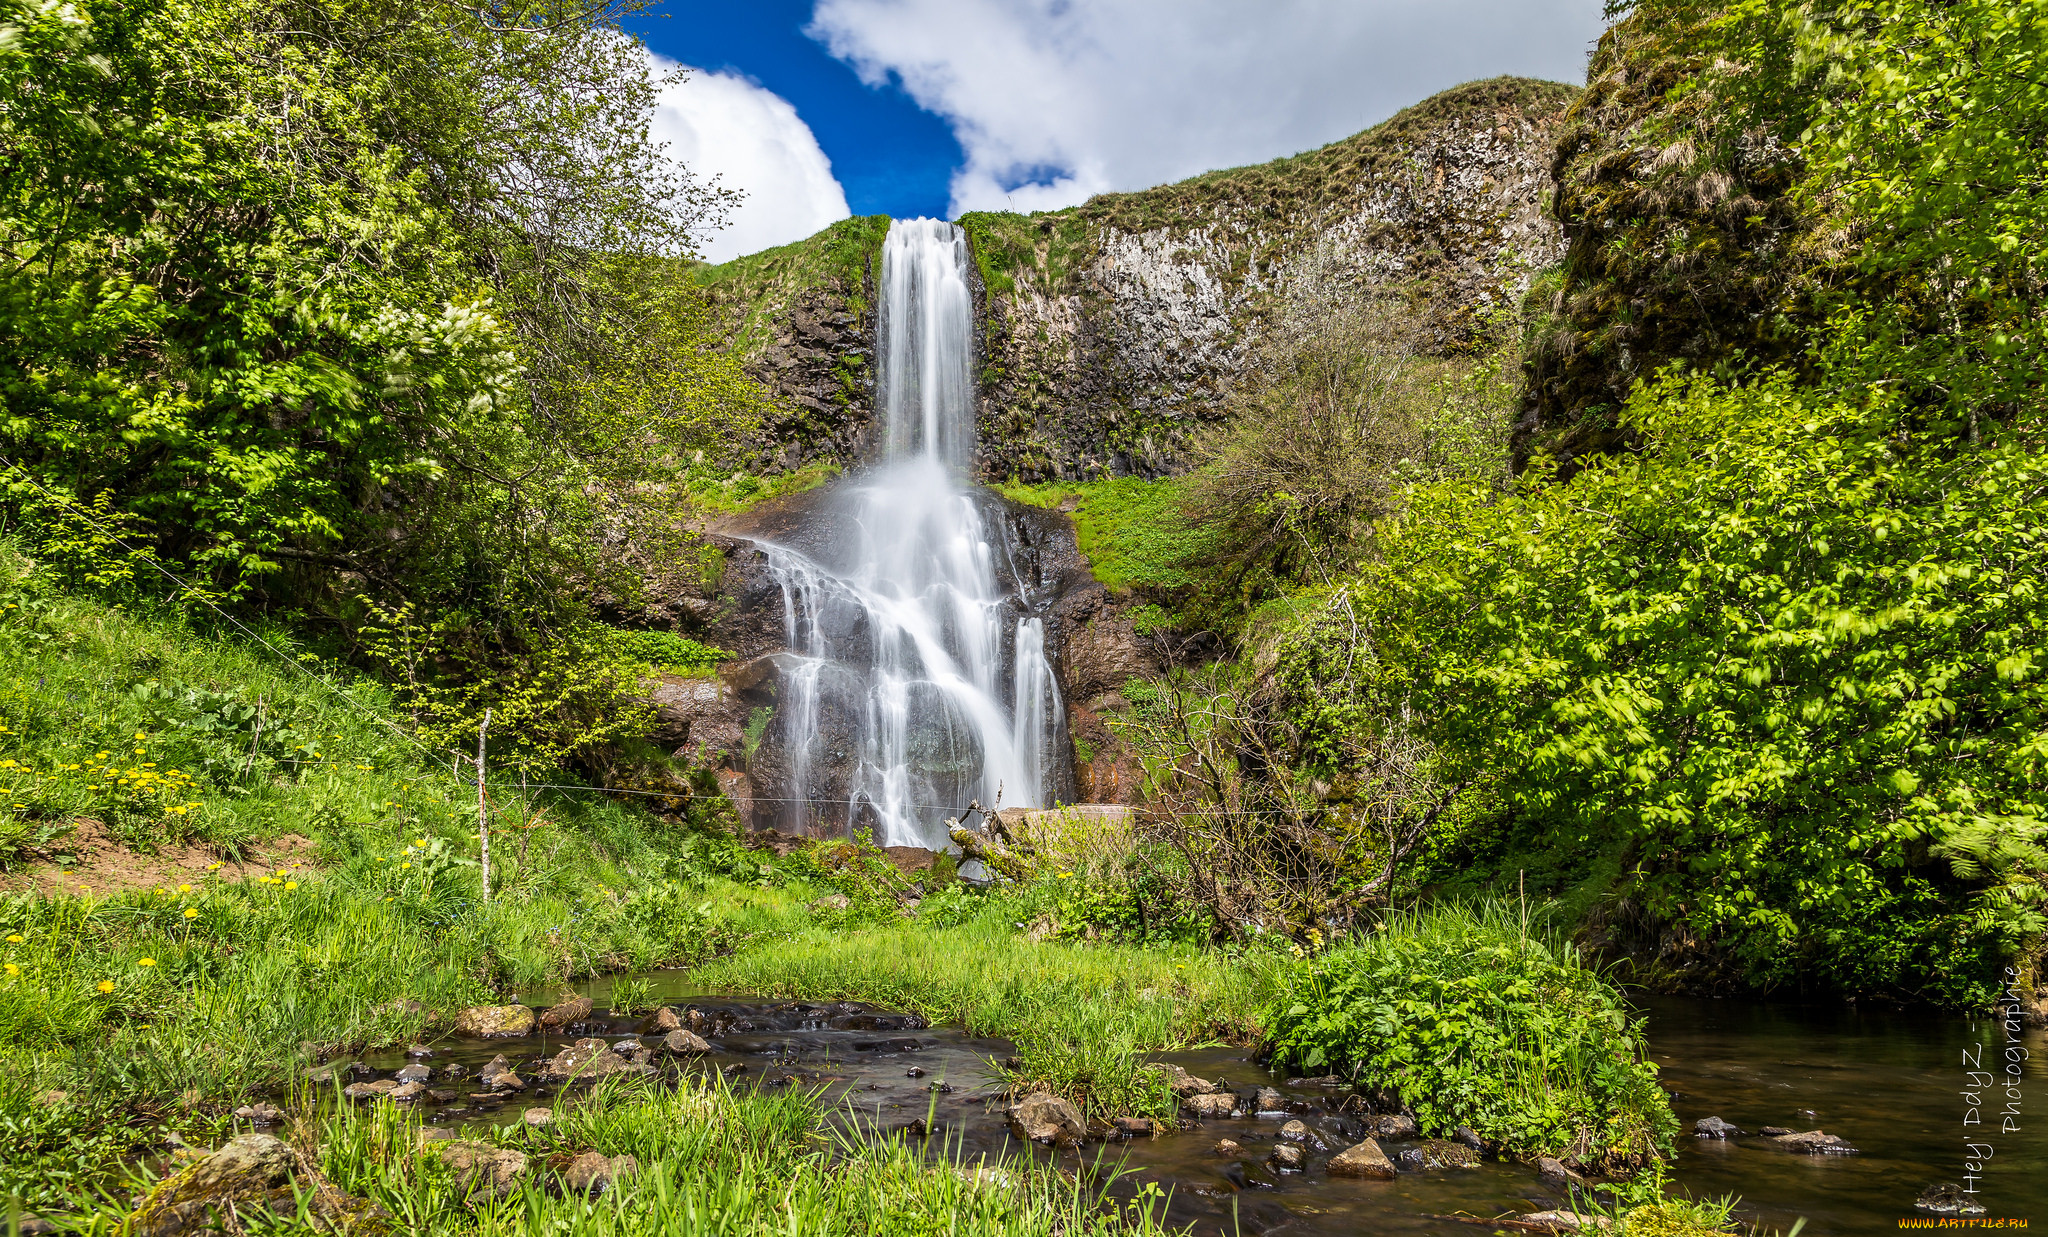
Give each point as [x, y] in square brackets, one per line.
[320, 1075]
[1396, 1125]
[260, 1113]
[628, 1047]
[507, 1081]
[370, 1090]
[915, 1071]
[495, 1022]
[1365, 1160]
[479, 1167]
[455, 1069]
[1814, 1142]
[249, 1170]
[1214, 1104]
[1229, 1146]
[414, 1073]
[1298, 1132]
[568, 1012]
[1467, 1135]
[661, 1022]
[1325, 1080]
[1438, 1153]
[1268, 1100]
[1288, 1158]
[683, 1043]
[1566, 1221]
[1411, 1160]
[1714, 1127]
[492, 1068]
[1557, 1174]
[594, 1173]
[441, 1096]
[588, 1058]
[1133, 1127]
[1182, 1083]
[418, 1051]
[1948, 1199]
[406, 1092]
[537, 1117]
[1776, 1131]
[1047, 1118]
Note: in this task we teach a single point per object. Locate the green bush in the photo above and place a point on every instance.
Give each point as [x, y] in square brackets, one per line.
[1474, 1020]
[665, 650]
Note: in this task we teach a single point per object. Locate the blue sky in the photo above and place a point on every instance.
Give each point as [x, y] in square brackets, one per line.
[818, 108]
[891, 156]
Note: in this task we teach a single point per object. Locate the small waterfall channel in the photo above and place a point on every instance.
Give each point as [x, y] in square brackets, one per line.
[917, 677]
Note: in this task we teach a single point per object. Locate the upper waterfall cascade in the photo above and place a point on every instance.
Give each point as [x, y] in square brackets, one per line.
[911, 628]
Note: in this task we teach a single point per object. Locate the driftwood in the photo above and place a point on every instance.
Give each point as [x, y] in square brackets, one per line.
[994, 855]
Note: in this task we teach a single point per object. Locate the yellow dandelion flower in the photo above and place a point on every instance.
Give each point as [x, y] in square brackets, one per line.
[419, 841]
[105, 985]
[145, 962]
[191, 912]
[184, 889]
[404, 865]
[14, 938]
[12, 970]
[291, 884]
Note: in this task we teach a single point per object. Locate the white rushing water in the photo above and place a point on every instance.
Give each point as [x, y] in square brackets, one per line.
[910, 636]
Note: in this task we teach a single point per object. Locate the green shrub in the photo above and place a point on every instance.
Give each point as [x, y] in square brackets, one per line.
[665, 650]
[1476, 1021]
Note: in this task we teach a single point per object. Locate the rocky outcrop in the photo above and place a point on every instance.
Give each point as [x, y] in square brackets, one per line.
[1109, 332]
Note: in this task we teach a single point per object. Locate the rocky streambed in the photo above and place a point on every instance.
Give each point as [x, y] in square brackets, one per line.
[1841, 1118]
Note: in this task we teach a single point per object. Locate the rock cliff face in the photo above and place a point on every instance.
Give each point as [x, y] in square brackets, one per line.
[1109, 332]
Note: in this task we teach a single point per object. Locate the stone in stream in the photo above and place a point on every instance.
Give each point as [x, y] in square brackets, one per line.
[1229, 1146]
[441, 1095]
[1566, 1221]
[245, 1171]
[915, 1071]
[1775, 1131]
[1047, 1118]
[534, 1118]
[479, 1167]
[1948, 1199]
[419, 1050]
[414, 1073]
[406, 1092]
[507, 1081]
[1396, 1125]
[569, 1011]
[260, 1113]
[1815, 1142]
[587, 1058]
[454, 1069]
[1288, 1158]
[1557, 1174]
[1133, 1127]
[1467, 1135]
[1364, 1160]
[370, 1090]
[492, 1068]
[680, 1042]
[495, 1021]
[1268, 1100]
[1411, 1160]
[1182, 1083]
[323, 1074]
[1437, 1153]
[1298, 1132]
[1714, 1127]
[594, 1173]
[1215, 1104]
[661, 1022]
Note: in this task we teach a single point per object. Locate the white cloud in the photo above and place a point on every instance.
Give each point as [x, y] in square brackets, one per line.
[724, 125]
[1054, 100]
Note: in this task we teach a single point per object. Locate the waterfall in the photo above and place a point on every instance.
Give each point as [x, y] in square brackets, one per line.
[909, 636]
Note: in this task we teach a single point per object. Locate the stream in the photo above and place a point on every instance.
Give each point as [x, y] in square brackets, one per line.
[1895, 1085]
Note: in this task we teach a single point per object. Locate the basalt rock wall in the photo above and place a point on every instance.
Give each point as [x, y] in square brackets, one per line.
[1109, 333]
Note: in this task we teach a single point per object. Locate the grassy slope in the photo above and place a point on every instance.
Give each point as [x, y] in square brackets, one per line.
[1135, 533]
[757, 287]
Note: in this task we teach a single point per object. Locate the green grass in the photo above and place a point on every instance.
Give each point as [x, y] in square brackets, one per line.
[710, 1161]
[1136, 533]
[1083, 1016]
[761, 285]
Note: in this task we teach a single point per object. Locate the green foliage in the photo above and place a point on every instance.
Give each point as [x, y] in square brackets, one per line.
[753, 290]
[1781, 664]
[1476, 1021]
[1136, 533]
[665, 650]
